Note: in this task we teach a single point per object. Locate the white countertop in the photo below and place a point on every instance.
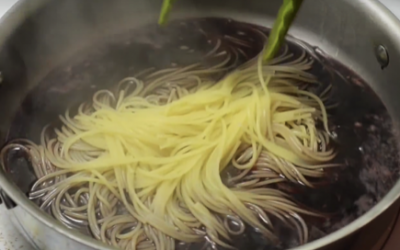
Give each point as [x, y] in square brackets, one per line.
[5, 5]
[10, 238]
[393, 5]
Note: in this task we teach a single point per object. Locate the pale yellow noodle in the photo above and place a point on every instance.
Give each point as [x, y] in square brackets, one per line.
[157, 146]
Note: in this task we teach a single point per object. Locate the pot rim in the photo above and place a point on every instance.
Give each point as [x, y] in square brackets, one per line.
[370, 7]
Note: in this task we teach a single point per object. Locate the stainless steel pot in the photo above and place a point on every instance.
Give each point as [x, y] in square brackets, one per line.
[38, 34]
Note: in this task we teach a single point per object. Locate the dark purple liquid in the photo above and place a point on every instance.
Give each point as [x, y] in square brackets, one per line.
[361, 122]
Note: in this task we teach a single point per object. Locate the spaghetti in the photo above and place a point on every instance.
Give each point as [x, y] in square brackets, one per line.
[140, 167]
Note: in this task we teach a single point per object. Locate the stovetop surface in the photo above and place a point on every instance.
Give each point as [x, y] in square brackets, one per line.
[381, 235]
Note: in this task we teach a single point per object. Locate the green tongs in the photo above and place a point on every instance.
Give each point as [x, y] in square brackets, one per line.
[286, 15]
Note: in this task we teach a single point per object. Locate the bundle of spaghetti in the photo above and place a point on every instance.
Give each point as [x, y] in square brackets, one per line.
[141, 167]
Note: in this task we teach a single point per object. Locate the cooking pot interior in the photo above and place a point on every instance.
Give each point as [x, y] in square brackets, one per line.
[62, 53]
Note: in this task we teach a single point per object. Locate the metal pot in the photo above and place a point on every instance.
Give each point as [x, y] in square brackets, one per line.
[39, 34]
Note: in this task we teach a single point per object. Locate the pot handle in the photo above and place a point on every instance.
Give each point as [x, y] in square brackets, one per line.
[7, 201]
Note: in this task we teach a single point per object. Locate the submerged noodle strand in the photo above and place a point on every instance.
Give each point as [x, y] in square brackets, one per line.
[141, 167]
